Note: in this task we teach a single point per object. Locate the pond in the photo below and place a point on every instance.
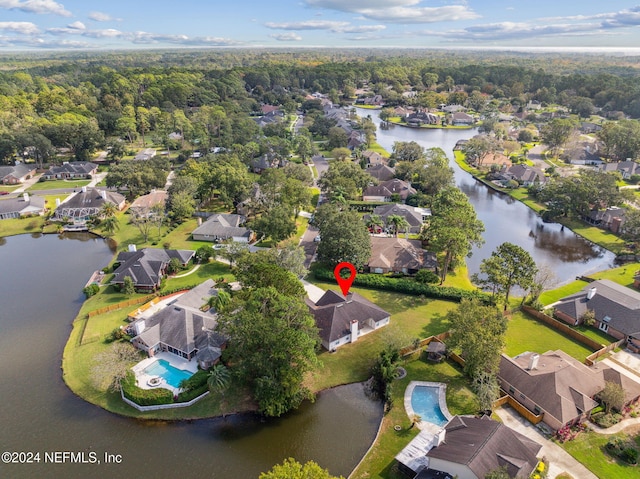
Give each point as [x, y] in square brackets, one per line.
[41, 282]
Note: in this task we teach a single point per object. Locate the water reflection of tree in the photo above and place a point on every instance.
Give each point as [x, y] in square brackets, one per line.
[565, 247]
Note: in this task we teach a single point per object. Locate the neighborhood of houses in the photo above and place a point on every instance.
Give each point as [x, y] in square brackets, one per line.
[553, 389]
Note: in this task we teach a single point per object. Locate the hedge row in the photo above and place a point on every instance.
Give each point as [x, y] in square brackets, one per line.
[144, 397]
[189, 394]
[406, 286]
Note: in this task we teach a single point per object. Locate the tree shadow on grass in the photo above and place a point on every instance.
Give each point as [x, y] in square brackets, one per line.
[439, 324]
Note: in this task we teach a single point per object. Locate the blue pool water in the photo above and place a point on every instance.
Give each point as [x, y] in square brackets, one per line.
[164, 369]
[424, 401]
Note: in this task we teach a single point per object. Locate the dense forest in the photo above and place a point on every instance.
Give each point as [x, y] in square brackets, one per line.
[83, 101]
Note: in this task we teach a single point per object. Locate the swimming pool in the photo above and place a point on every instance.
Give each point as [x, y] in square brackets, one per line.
[169, 373]
[425, 402]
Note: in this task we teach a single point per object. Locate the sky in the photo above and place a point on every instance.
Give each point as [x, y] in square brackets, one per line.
[138, 24]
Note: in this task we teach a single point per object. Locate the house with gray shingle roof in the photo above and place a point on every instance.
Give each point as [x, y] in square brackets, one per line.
[16, 174]
[558, 386]
[222, 227]
[616, 308]
[385, 191]
[74, 169]
[23, 205]
[399, 255]
[183, 329]
[415, 216]
[341, 320]
[148, 266]
[86, 203]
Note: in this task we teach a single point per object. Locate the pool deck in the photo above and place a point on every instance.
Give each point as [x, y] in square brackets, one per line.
[442, 402]
[142, 379]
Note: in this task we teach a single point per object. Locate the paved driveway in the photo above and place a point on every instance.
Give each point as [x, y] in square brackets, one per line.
[559, 460]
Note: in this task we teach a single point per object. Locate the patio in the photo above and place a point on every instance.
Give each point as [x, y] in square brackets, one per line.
[143, 379]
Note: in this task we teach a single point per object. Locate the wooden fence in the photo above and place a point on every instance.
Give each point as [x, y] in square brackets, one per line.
[563, 328]
[591, 359]
[523, 411]
[122, 304]
[408, 350]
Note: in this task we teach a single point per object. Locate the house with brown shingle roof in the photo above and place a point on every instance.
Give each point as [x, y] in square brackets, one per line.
[558, 386]
[385, 191]
[143, 204]
[469, 448]
[148, 266]
[399, 255]
[342, 320]
[381, 172]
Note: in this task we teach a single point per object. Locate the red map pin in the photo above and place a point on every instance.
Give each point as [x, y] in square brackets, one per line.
[345, 283]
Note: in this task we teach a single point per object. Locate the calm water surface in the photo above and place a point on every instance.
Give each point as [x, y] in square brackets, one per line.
[504, 218]
[40, 293]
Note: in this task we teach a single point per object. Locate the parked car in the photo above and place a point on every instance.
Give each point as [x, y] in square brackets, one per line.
[2, 193]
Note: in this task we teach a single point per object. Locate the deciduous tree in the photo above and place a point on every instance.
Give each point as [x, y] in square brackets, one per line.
[344, 236]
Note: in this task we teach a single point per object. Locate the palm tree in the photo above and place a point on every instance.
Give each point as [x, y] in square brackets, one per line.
[218, 377]
[398, 222]
[108, 210]
[110, 225]
[374, 222]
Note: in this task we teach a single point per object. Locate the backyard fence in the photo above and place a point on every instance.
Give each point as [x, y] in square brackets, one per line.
[408, 350]
[123, 304]
[591, 359]
[563, 328]
[162, 406]
[523, 411]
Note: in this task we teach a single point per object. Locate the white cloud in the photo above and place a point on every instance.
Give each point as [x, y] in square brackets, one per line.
[153, 38]
[398, 11]
[102, 17]
[286, 37]
[307, 25]
[361, 29]
[36, 6]
[25, 28]
[77, 26]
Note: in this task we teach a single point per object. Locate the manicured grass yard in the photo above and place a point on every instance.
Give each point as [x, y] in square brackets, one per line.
[554, 295]
[527, 334]
[588, 448]
[58, 184]
[380, 462]
[18, 226]
[606, 239]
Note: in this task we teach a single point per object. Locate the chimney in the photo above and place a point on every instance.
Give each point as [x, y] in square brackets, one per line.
[591, 293]
[439, 439]
[25, 197]
[84, 189]
[132, 248]
[354, 331]
[57, 202]
[533, 361]
[199, 220]
[103, 193]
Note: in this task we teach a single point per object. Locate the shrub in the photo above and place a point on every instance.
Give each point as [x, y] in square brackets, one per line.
[186, 396]
[630, 455]
[425, 276]
[406, 286]
[145, 397]
[91, 290]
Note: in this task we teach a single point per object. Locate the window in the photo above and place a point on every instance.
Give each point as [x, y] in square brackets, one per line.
[522, 396]
[511, 390]
[606, 319]
[536, 410]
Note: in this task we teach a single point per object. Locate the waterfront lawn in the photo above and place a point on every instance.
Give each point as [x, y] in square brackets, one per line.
[525, 333]
[521, 194]
[622, 274]
[459, 278]
[411, 317]
[554, 295]
[58, 184]
[380, 462]
[588, 449]
[596, 235]
[18, 226]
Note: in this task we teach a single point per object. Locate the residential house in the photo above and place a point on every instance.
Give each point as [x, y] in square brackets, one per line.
[373, 158]
[271, 114]
[495, 159]
[86, 203]
[415, 216]
[589, 127]
[469, 448]
[422, 117]
[16, 174]
[143, 204]
[462, 119]
[71, 170]
[267, 161]
[357, 138]
[452, 108]
[145, 154]
[183, 329]
[387, 190]
[460, 145]
[612, 218]
[625, 168]
[24, 205]
[399, 255]
[582, 153]
[526, 175]
[558, 386]
[222, 227]
[342, 320]
[148, 266]
[616, 308]
[381, 172]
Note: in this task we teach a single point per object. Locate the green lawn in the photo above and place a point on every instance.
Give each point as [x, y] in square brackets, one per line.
[622, 274]
[57, 184]
[521, 194]
[380, 462]
[554, 295]
[459, 278]
[528, 334]
[18, 226]
[9, 188]
[606, 239]
[588, 448]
